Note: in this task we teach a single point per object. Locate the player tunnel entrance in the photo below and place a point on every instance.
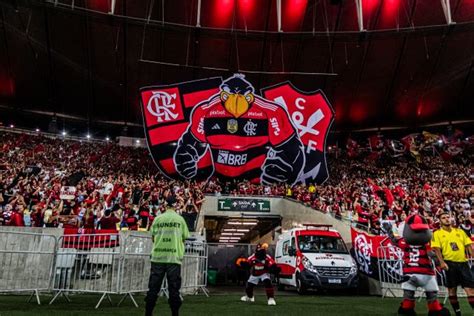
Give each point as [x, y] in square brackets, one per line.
[247, 230]
[232, 238]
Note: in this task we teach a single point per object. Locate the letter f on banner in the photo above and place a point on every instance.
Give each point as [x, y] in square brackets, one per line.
[312, 116]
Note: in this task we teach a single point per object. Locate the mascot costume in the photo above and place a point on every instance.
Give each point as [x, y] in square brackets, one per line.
[418, 269]
[261, 265]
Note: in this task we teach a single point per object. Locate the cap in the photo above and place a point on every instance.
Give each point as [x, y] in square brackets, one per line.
[417, 222]
[170, 200]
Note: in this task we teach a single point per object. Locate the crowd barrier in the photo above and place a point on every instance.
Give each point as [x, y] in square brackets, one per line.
[102, 264]
[26, 261]
[390, 264]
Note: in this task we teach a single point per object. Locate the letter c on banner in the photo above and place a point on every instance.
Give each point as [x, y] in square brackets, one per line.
[298, 102]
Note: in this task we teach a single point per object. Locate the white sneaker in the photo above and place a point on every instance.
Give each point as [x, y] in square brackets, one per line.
[271, 301]
[247, 299]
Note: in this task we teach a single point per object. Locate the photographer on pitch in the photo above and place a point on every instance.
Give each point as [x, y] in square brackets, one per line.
[451, 245]
[169, 231]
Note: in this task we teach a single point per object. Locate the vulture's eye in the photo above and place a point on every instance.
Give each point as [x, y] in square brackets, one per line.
[226, 89]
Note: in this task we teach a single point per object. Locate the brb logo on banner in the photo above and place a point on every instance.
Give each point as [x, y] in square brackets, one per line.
[223, 128]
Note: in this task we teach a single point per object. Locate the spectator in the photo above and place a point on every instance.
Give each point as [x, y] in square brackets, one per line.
[131, 221]
[109, 220]
[34, 169]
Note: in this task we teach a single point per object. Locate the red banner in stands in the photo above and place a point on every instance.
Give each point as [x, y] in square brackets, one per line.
[365, 252]
[86, 239]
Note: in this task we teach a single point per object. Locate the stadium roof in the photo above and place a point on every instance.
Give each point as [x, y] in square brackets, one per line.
[407, 67]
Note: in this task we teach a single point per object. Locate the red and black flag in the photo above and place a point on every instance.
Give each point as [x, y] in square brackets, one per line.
[224, 128]
[166, 114]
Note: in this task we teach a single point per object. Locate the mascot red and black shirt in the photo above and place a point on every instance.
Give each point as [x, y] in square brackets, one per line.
[260, 267]
[264, 125]
[416, 259]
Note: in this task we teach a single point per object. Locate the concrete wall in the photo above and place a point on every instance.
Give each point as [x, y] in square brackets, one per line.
[291, 212]
[294, 213]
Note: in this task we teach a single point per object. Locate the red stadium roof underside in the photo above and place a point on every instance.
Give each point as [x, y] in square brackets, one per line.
[408, 68]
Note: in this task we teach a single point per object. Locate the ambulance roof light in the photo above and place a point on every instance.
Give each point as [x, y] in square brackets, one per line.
[324, 226]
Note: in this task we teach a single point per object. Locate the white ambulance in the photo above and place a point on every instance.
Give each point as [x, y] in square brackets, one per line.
[315, 256]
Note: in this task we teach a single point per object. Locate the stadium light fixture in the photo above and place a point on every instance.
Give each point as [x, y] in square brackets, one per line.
[64, 133]
[232, 234]
[88, 136]
[242, 223]
[228, 241]
[37, 130]
[137, 141]
[107, 139]
[229, 238]
[12, 126]
[440, 141]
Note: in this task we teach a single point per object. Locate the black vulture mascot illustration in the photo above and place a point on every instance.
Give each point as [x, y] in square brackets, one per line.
[248, 137]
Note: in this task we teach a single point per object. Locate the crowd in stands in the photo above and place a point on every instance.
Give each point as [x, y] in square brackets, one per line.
[115, 186]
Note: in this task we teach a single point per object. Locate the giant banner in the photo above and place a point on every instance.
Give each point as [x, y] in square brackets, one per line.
[224, 128]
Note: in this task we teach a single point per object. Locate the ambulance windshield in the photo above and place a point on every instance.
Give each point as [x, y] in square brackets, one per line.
[321, 244]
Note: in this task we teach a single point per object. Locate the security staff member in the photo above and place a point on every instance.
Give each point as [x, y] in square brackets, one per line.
[450, 245]
[169, 232]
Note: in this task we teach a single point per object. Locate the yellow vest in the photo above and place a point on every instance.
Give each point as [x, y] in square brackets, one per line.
[452, 244]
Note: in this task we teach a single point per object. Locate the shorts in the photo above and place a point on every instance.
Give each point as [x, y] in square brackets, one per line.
[459, 273]
[426, 282]
[256, 279]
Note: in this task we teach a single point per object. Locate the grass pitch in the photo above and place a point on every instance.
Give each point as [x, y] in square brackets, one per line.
[222, 304]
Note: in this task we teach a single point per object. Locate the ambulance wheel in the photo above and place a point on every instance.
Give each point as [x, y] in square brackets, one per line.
[300, 286]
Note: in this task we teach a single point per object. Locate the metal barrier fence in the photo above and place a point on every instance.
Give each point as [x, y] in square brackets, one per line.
[27, 261]
[390, 265]
[136, 263]
[87, 264]
[194, 268]
[90, 263]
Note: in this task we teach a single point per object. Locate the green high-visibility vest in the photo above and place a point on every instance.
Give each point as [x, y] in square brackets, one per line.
[169, 231]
